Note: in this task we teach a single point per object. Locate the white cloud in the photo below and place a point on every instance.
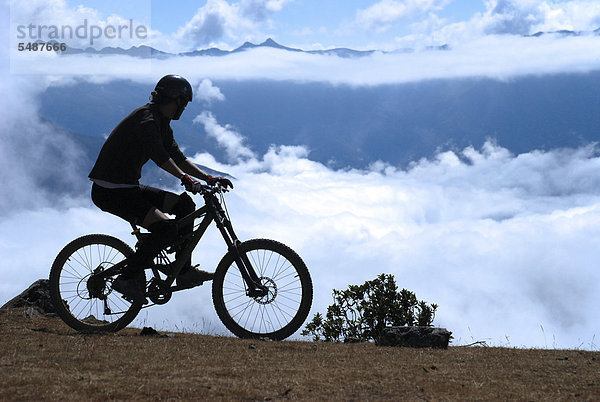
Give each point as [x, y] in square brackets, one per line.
[502, 254]
[570, 15]
[385, 13]
[505, 244]
[259, 10]
[509, 17]
[226, 136]
[219, 20]
[78, 27]
[208, 93]
[33, 151]
[474, 52]
[497, 56]
[211, 22]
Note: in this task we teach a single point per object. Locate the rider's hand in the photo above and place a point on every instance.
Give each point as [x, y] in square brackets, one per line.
[190, 184]
[222, 181]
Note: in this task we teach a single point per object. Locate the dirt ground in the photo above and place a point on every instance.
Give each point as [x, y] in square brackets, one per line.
[42, 358]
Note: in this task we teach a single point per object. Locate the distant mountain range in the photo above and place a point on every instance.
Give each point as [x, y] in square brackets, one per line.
[144, 51]
[566, 32]
[346, 126]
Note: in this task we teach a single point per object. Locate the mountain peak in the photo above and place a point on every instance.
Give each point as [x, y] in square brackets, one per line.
[270, 42]
[267, 43]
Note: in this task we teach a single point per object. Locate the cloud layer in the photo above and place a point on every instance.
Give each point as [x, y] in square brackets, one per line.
[498, 57]
[33, 151]
[505, 244]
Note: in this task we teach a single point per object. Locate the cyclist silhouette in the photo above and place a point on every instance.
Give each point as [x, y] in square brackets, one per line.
[143, 135]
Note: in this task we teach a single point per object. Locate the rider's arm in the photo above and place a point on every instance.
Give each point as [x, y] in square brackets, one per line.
[184, 167]
[190, 168]
[172, 168]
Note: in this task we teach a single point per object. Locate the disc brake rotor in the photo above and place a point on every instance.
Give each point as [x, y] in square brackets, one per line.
[271, 293]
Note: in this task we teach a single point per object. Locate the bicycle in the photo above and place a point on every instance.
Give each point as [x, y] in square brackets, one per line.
[261, 288]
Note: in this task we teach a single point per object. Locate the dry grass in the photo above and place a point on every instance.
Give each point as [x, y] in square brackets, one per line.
[41, 358]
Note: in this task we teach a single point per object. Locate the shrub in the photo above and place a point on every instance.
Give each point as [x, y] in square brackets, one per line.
[361, 312]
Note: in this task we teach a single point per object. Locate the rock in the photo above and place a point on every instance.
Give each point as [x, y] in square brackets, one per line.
[416, 337]
[149, 331]
[92, 320]
[32, 312]
[37, 296]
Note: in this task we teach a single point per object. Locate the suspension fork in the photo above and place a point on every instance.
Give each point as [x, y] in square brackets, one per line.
[254, 285]
[251, 278]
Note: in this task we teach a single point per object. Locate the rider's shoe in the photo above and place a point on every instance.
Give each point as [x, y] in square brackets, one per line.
[193, 276]
[130, 289]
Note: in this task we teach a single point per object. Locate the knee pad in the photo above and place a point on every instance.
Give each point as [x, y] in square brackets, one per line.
[184, 206]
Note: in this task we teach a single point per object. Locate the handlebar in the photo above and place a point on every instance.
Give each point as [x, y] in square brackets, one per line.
[213, 185]
[205, 189]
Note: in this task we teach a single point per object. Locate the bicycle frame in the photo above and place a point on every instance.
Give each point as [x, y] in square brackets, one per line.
[209, 212]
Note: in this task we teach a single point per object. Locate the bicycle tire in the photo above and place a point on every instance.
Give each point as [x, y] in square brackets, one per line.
[275, 316]
[69, 285]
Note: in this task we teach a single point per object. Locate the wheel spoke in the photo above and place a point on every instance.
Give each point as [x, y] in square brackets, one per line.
[278, 313]
[69, 281]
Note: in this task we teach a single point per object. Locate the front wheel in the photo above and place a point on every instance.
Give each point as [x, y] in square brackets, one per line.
[81, 296]
[275, 315]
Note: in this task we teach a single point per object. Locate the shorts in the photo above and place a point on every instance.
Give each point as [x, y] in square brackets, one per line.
[131, 204]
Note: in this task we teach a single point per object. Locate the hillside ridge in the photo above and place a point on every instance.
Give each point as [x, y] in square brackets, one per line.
[44, 359]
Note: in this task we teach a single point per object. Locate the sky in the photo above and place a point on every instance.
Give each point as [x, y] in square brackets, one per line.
[307, 23]
[505, 244]
[310, 24]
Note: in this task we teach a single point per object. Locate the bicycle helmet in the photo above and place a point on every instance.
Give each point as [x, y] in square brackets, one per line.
[173, 87]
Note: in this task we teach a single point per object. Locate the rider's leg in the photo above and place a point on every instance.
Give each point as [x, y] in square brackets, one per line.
[138, 205]
[180, 206]
[163, 232]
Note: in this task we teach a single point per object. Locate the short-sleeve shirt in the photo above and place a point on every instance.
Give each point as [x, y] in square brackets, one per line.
[144, 134]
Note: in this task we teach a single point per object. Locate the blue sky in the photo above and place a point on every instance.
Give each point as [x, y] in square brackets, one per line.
[295, 16]
[360, 24]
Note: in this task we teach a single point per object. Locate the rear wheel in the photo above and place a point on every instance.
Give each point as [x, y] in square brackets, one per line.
[83, 299]
[282, 310]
